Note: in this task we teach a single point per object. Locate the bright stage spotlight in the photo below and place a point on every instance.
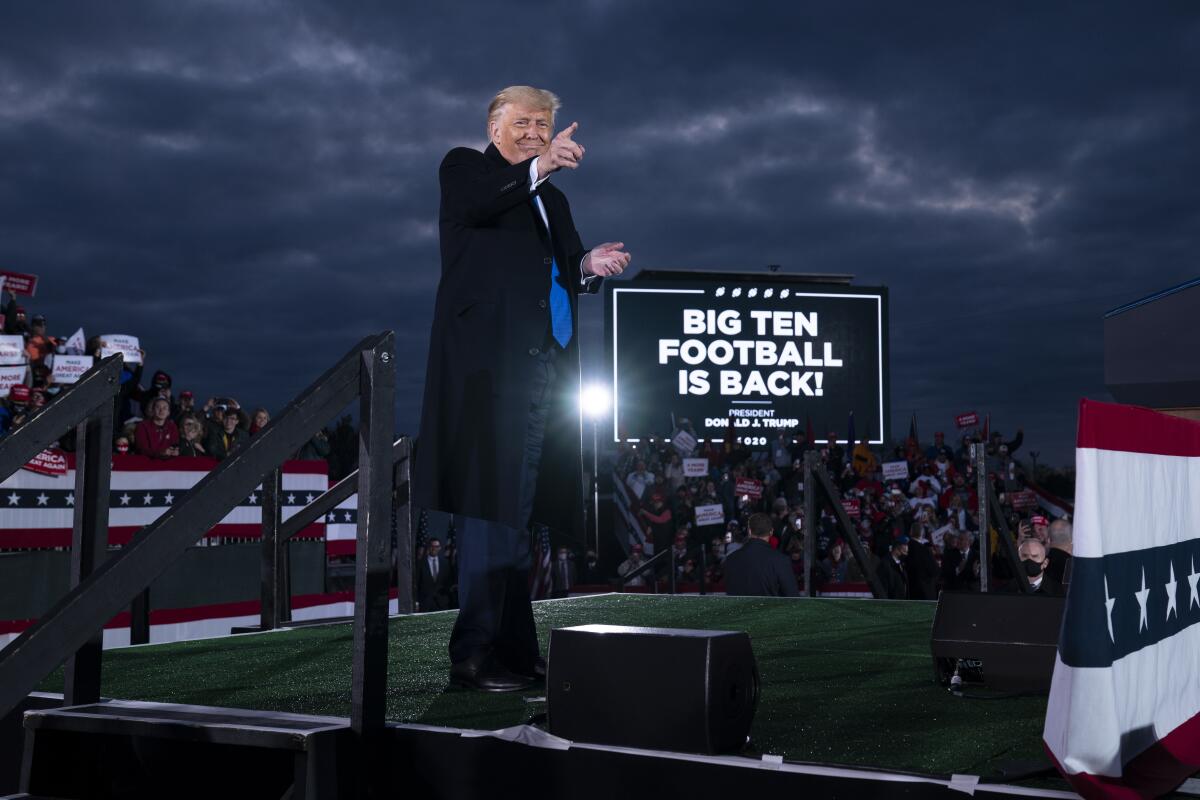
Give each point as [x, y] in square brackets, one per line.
[594, 401]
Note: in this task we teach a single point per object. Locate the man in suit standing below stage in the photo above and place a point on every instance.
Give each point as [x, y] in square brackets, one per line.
[758, 570]
[434, 579]
[501, 436]
[891, 572]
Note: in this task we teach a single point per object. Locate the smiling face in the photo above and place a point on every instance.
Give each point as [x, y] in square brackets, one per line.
[192, 430]
[521, 132]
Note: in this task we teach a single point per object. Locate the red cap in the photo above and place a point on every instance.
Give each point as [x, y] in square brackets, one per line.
[19, 393]
[1039, 519]
[637, 548]
[186, 393]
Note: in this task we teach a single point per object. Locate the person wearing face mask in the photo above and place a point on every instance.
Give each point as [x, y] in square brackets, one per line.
[1033, 560]
[634, 561]
[891, 571]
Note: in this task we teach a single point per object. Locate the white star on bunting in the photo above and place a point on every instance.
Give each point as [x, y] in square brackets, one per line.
[71, 499]
[147, 499]
[308, 498]
[125, 499]
[169, 498]
[14, 499]
[253, 499]
[347, 516]
[1109, 602]
[1192, 577]
[1142, 597]
[1171, 584]
[291, 500]
[42, 498]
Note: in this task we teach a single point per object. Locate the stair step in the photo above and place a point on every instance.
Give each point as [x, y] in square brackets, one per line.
[142, 749]
[237, 726]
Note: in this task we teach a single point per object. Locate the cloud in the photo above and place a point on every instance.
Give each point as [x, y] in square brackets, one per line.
[251, 187]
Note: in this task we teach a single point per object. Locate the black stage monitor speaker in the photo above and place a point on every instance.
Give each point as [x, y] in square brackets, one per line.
[702, 700]
[1005, 641]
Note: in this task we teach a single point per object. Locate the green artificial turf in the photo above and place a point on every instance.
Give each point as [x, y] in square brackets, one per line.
[844, 681]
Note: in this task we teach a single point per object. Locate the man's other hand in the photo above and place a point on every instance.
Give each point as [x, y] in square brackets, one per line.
[606, 260]
[563, 152]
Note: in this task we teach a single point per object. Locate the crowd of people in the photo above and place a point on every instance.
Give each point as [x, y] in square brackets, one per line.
[150, 420]
[920, 534]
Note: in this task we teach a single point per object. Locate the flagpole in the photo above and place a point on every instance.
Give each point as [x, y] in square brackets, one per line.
[979, 455]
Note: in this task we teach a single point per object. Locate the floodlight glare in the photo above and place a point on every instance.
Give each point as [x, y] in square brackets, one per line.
[594, 400]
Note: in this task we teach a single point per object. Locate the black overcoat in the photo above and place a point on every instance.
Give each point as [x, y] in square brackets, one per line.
[491, 321]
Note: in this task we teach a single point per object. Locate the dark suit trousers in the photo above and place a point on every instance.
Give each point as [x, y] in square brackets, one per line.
[494, 559]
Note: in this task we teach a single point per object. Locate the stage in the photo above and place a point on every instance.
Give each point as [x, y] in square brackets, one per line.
[845, 683]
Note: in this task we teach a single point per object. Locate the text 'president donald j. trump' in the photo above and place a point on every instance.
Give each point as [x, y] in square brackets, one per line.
[500, 443]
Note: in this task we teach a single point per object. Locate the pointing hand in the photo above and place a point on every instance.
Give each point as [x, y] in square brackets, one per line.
[563, 152]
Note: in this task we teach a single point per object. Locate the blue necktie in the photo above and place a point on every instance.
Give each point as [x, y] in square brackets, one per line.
[560, 309]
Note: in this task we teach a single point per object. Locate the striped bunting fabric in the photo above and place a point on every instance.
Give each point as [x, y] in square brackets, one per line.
[1123, 718]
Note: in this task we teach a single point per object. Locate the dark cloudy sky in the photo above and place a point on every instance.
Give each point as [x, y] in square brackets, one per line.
[251, 186]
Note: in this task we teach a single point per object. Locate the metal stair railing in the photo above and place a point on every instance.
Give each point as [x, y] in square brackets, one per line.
[651, 564]
[276, 596]
[816, 476]
[367, 372]
[90, 406]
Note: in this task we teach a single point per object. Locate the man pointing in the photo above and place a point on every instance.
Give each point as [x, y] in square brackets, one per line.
[500, 442]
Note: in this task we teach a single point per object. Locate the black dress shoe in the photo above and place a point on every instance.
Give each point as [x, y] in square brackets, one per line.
[486, 674]
[535, 672]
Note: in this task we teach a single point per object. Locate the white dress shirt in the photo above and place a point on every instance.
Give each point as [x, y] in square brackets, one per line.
[585, 281]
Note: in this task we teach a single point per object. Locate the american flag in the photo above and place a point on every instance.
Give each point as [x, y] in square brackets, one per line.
[539, 577]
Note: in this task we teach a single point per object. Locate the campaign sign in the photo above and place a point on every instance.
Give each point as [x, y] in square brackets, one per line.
[710, 515]
[758, 353]
[684, 442]
[12, 350]
[10, 377]
[127, 346]
[853, 508]
[48, 462]
[695, 467]
[1023, 500]
[895, 470]
[967, 420]
[749, 487]
[68, 369]
[76, 345]
[18, 282]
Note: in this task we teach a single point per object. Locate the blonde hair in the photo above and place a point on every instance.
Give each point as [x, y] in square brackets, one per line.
[530, 96]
